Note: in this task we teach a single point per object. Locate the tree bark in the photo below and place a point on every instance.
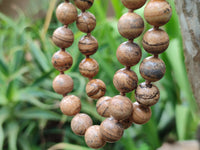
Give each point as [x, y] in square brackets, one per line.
[189, 17]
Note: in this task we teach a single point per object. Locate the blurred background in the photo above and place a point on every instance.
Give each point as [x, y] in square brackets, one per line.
[30, 118]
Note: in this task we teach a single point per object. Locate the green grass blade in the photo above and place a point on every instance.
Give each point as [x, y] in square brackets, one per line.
[36, 113]
[182, 116]
[12, 130]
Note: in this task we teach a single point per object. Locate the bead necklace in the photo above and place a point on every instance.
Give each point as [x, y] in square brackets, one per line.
[119, 110]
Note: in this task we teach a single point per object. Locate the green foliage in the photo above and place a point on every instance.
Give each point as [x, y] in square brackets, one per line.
[30, 118]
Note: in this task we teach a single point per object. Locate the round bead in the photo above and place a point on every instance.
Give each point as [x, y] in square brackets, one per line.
[62, 60]
[66, 13]
[157, 12]
[83, 4]
[86, 22]
[95, 88]
[155, 41]
[147, 94]
[93, 137]
[89, 67]
[63, 37]
[70, 105]
[129, 54]
[125, 80]
[120, 107]
[152, 69]
[63, 84]
[88, 45]
[127, 122]
[133, 4]
[141, 114]
[80, 123]
[111, 130]
[102, 106]
[130, 25]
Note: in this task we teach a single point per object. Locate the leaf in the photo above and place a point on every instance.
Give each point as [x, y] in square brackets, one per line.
[40, 80]
[2, 136]
[182, 114]
[118, 7]
[39, 56]
[12, 130]
[36, 113]
[4, 68]
[127, 141]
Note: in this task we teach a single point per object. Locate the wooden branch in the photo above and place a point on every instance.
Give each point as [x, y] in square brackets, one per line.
[189, 17]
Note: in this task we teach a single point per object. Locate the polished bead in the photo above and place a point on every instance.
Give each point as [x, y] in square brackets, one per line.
[86, 22]
[133, 4]
[89, 67]
[120, 107]
[88, 45]
[147, 94]
[80, 123]
[66, 13]
[155, 41]
[152, 69]
[141, 114]
[157, 12]
[63, 84]
[125, 80]
[111, 130]
[70, 105]
[83, 4]
[129, 54]
[63, 37]
[93, 137]
[96, 88]
[127, 122]
[62, 60]
[102, 106]
[130, 25]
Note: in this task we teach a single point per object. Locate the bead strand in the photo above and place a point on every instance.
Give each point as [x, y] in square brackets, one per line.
[119, 110]
[88, 45]
[120, 107]
[152, 69]
[89, 68]
[63, 37]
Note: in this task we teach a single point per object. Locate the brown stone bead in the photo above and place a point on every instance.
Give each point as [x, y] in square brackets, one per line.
[63, 84]
[125, 80]
[111, 130]
[70, 105]
[127, 122]
[157, 12]
[95, 88]
[102, 106]
[152, 69]
[133, 4]
[86, 22]
[141, 114]
[66, 13]
[147, 94]
[155, 41]
[89, 67]
[88, 45]
[130, 25]
[93, 137]
[63, 37]
[62, 60]
[129, 54]
[80, 123]
[83, 4]
[120, 107]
